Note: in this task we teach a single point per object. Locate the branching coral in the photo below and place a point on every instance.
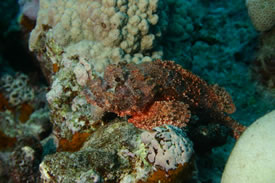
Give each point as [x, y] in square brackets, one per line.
[137, 90]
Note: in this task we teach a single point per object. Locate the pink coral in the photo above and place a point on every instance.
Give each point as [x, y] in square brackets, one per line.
[137, 90]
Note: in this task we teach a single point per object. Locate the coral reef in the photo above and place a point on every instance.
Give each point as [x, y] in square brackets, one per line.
[70, 59]
[22, 163]
[120, 152]
[75, 41]
[262, 13]
[16, 89]
[70, 112]
[10, 128]
[115, 30]
[130, 89]
[206, 37]
[112, 23]
[23, 110]
[77, 167]
[24, 117]
[170, 151]
[25, 160]
[264, 64]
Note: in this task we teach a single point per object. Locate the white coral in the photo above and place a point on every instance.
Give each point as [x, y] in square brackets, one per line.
[109, 22]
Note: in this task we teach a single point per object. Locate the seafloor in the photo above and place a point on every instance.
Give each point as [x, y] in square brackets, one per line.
[220, 49]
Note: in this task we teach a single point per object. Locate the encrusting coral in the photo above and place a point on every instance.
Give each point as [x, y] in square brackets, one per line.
[136, 89]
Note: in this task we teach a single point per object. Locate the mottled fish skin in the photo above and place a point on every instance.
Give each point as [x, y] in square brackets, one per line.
[130, 89]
